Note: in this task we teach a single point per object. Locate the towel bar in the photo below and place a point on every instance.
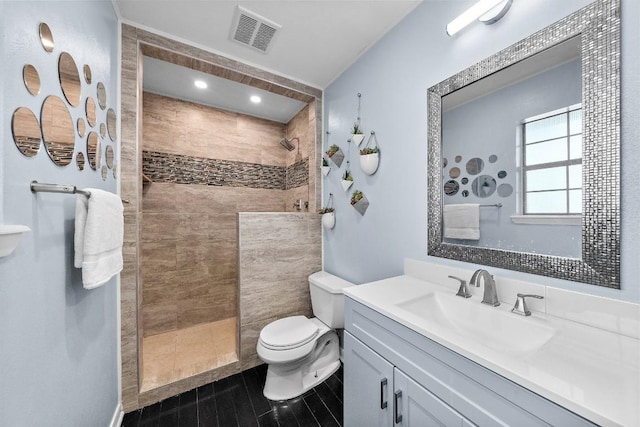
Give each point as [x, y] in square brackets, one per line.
[38, 187]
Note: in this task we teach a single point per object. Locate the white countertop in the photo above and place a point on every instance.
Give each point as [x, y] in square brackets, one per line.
[590, 371]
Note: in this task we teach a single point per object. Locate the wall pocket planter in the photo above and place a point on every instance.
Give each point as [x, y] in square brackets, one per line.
[328, 214]
[369, 163]
[370, 156]
[329, 220]
[347, 179]
[359, 202]
[346, 184]
[336, 155]
[357, 138]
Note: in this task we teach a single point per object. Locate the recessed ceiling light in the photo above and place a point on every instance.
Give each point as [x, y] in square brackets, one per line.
[200, 84]
[255, 99]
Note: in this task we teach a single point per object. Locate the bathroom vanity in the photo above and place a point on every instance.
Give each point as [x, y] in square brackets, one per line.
[415, 354]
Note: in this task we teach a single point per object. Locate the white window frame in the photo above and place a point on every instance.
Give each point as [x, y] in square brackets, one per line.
[544, 218]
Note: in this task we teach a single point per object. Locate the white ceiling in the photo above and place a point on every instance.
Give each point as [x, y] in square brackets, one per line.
[175, 81]
[319, 39]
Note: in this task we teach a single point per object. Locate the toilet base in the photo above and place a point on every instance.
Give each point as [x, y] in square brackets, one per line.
[290, 380]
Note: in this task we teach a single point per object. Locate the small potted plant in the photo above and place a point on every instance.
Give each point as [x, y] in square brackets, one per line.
[356, 134]
[325, 167]
[370, 156]
[359, 202]
[335, 154]
[347, 179]
[328, 215]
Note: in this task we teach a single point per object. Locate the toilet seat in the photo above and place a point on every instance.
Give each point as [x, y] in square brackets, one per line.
[288, 333]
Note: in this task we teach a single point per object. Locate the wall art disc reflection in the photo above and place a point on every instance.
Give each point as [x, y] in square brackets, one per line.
[58, 131]
[483, 186]
[69, 79]
[46, 38]
[31, 79]
[451, 187]
[26, 131]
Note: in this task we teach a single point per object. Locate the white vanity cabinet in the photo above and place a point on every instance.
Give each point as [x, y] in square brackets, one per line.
[428, 384]
[378, 394]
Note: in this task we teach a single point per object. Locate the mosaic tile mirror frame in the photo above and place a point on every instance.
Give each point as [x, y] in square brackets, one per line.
[598, 25]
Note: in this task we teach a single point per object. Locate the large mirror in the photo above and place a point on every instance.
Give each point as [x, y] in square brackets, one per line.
[541, 112]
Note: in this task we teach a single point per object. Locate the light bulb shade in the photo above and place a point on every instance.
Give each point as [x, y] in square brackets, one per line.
[475, 12]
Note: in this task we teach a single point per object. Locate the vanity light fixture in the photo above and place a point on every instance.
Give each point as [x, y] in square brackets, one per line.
[486, 11]
[255, 99]
[200, 84]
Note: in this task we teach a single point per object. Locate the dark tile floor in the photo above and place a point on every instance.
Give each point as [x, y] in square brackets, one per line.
[238, 401]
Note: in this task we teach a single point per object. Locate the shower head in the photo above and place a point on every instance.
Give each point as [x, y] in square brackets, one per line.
[287, 143]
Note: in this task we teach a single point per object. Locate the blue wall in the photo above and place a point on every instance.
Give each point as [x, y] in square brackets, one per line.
[58, 341]
[393, 77]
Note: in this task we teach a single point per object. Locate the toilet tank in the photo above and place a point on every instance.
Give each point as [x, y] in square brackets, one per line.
[327, 299]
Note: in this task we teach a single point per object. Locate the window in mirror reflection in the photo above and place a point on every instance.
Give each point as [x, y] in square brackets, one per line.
[552, 162]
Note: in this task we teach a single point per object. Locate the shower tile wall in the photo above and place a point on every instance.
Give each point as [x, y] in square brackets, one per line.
[188, 238]
[303, 126]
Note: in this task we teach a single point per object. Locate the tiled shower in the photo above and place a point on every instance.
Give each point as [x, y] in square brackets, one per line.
[204, 165]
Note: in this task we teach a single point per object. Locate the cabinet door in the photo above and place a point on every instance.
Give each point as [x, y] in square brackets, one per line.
[415, 406]
[368, 381]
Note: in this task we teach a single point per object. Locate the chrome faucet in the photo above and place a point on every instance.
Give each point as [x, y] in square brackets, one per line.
[490, 296]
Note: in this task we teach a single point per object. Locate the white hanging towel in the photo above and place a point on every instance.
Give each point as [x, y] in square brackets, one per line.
[462, 221]
[99, 230]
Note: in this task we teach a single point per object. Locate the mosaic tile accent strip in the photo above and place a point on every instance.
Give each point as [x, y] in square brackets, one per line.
[179, 169]
[599, 26]
[297, 174]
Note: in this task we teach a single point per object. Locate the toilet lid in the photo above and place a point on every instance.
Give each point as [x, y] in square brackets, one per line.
[287, 333]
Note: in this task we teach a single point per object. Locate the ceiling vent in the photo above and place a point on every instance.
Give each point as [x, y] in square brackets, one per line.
[253, 30]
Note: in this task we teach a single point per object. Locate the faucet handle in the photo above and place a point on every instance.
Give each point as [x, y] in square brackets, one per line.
[520, 306]
[463, 291]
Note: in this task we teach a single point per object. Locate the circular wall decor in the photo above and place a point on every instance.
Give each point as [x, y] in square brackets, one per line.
[475, 166]
[31, 79]
[111, 123]
[93, 150]
[80, 160]
[90, 109]
[57, 130]
[483, 186]
[69, 79]
[46, 38]
[109, 156]
[451, 187]
[454, 172]
[102, 95]
[505, 190]
[26, 131]
[87, 73]
[81, 127]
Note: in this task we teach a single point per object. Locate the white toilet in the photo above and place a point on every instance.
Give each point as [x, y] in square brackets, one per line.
[301, 352]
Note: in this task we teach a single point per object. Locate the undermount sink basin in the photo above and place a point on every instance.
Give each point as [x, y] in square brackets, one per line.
[489, 326]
